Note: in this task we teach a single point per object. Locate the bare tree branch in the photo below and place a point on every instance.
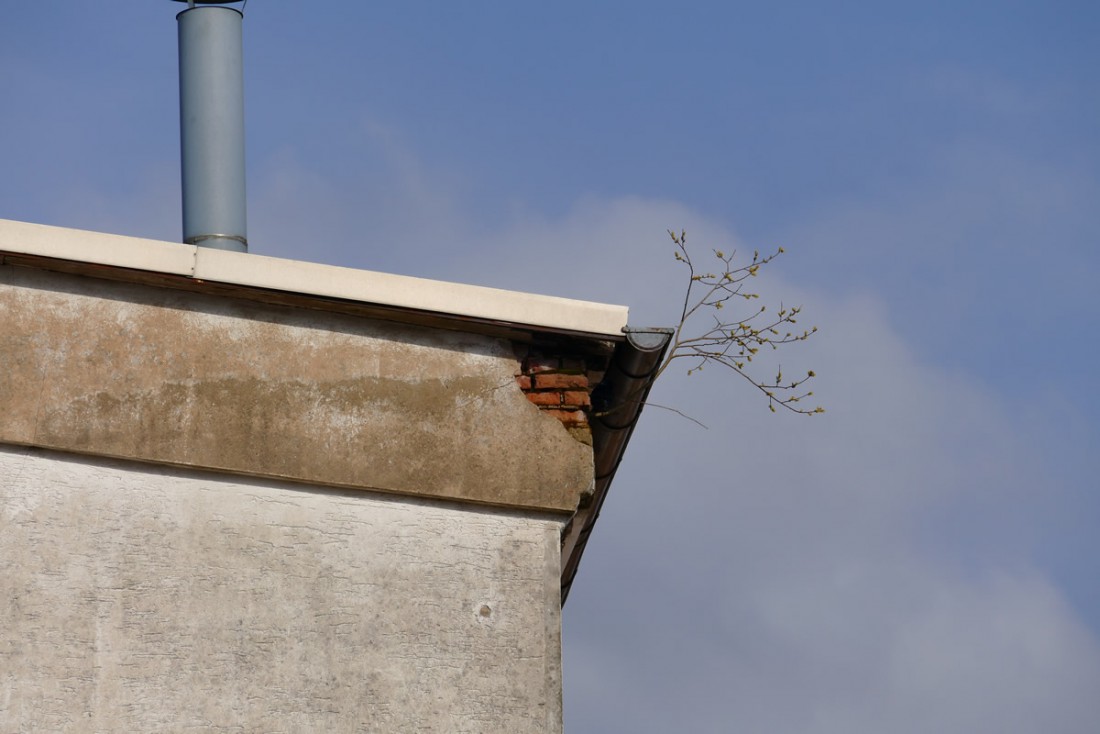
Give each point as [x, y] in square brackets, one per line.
[734, 342]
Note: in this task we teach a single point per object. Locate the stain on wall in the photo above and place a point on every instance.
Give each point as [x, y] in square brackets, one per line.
[138, 372]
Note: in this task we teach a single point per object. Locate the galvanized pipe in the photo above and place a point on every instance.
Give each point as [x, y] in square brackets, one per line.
[212, 127]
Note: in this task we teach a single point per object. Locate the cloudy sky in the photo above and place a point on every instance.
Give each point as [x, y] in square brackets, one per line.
[922, 558]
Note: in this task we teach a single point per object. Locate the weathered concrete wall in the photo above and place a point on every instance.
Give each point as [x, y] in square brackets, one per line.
[137, 598]
[137, 372]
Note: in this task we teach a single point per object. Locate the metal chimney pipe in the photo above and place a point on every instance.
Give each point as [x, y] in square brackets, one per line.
[212, 126]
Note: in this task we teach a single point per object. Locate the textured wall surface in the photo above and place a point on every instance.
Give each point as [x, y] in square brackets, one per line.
[137, 598]
[138, 372]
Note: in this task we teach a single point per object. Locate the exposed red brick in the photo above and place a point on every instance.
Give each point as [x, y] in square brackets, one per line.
[559, 387]
[544, 398]
[575, 397]
[534, 363]
[557, 381]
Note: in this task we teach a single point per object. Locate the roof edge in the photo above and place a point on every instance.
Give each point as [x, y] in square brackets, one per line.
[313, 279]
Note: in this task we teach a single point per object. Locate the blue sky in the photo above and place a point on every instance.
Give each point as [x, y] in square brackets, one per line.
[924, 557]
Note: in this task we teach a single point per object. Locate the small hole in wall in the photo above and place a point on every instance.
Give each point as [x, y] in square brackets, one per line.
[485, 610]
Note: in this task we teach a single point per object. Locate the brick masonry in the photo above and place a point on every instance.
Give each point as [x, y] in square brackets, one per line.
[561, 386]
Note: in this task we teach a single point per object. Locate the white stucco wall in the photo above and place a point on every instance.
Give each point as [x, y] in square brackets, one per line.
[137, 598]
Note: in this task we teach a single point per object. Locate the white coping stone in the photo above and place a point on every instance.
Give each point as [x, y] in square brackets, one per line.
[312, 279]
[96, 248]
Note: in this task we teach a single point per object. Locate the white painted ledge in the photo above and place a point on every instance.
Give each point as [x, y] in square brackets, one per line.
[312, 279]
[96, 248]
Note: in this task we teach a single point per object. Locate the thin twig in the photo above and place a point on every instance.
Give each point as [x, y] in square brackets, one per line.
[679, 413]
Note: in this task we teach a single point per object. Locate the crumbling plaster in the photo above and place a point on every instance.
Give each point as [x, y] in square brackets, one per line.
[132, 371]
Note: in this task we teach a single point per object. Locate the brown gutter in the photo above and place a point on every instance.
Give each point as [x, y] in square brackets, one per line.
[617, 403]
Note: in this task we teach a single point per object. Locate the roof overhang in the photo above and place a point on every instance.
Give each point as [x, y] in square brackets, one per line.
[636, 354]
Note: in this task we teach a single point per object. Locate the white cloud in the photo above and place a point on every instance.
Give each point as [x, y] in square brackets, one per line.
[869, 570]
[853, 572]
[883, 568]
